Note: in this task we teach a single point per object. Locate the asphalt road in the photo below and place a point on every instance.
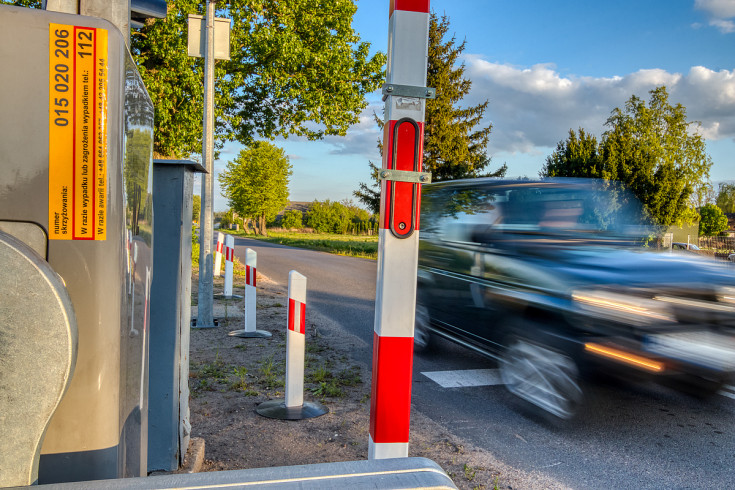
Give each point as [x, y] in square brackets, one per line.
[639, 437]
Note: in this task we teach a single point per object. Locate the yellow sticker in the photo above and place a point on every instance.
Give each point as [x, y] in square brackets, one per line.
[77, 133]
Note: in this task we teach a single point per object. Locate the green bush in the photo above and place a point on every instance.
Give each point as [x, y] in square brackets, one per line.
[292, 219]
[336, 217]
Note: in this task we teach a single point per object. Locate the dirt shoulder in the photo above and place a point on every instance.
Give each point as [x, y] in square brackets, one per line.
[230, 376]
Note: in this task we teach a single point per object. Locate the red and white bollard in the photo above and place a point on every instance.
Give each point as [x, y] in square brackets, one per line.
[295, 339]
[251, 258]
[293, 406]
[218, 253]
[404, 91]
[229, 264]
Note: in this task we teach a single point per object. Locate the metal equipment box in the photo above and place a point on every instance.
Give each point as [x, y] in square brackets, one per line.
[76, 135]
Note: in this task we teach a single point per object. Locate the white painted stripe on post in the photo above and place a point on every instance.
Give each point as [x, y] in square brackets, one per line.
[465, 378]
[251, 260]
[395, 300]
[295, 345]
[218, 253]
[408, 47]
[229, 266]
[386, 450]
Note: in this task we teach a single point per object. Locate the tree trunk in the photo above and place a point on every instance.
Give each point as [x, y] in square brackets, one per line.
[261, 222]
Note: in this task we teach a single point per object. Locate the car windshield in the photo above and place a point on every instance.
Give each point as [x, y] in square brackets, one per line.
[570, 207]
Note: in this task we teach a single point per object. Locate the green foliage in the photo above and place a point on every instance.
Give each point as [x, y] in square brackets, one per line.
[713, 221]
[362, 246]
[454, 146]
[336, 217]
[650, 148]
[36, 4]
[296, 67]
[292, 219]
[726, 198]
[196, 208]
[256, 183]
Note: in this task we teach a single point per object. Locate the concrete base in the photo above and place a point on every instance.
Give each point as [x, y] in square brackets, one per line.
[277, 409]
[226, 298]
[194, 323]
[255, 334]
[194, 458]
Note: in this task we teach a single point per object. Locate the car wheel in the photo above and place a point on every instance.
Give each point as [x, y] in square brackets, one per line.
[421, 335]
[544, 377]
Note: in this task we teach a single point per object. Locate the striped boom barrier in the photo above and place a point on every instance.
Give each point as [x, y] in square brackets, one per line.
[218, 253]
[251, 274]
[293, 406]
[229, 265]
[405, 91]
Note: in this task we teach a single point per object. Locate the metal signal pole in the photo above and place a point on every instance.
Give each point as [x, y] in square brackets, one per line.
[404, 93]
[205, 317]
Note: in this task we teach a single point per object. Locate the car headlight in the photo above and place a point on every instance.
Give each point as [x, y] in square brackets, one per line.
[623, 307]
[726, 295]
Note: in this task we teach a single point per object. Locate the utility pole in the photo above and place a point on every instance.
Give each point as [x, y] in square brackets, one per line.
[404, 94]
[205, 316]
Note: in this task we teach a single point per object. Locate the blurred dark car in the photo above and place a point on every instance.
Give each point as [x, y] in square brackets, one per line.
[552, 278]
[685, 247]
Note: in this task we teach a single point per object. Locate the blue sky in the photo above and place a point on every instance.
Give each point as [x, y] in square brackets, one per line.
[546, 67]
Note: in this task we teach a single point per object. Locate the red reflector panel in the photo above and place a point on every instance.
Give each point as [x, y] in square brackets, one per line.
[411, 5]
[390, 403]
[402, 199]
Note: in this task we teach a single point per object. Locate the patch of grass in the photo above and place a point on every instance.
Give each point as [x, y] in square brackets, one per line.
[364, 246]
[350, 376]
[469, 472]
[328, 389]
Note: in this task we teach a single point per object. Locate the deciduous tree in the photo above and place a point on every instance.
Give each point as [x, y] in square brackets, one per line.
[256, 183]
[650, 148]
[296, 67]
[713, 221]
[726, 198]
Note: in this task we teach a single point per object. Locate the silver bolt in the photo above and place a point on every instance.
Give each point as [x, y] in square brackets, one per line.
[389, 88]
[401, 226]
[384, 174]
[423, 178]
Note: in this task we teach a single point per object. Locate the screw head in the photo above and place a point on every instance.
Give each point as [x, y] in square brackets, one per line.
[401, 225]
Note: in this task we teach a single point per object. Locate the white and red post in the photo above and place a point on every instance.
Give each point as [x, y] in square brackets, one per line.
[218, 253]
[251, 261]
[295, 340]
[229, 264]
[390, 406]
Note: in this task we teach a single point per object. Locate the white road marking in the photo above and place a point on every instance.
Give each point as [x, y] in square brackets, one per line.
[465, 378]
[728, 391]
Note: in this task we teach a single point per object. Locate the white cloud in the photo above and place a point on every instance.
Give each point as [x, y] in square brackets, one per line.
[723, 9]
[719, 12]
[532, 108]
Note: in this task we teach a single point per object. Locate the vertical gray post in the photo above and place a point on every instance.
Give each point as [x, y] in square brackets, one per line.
[170, 310]
[205, 318]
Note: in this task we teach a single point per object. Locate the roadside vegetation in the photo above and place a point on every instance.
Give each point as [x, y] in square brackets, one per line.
[362, 246]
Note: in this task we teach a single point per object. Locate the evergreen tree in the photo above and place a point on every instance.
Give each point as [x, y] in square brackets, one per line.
[454, 146]
[649, 148]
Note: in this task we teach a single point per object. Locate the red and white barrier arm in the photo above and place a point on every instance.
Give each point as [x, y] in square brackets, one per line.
[218, 253]
[229, 265]
[251, 259]
[295, 340]
[405, 90]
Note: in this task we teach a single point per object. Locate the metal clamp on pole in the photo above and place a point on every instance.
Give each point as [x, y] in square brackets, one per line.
[408, 91]
[406, 176]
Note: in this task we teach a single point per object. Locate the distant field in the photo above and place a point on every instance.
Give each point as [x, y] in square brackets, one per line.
[350, 245]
